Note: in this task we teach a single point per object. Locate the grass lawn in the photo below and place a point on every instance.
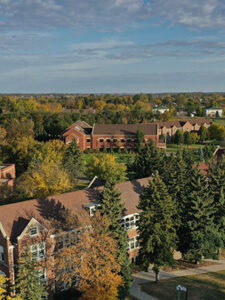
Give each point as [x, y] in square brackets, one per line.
[208, 286]
[175, 148]
[220, 121]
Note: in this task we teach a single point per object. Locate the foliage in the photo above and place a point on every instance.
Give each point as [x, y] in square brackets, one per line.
[140, 140]
[217, 132]
[156, 229]
[179, 137]
[3, 291]
[187, 138]
[43, 179]
[105, 167]
[28, 284]
[112, 208]
[90, 266]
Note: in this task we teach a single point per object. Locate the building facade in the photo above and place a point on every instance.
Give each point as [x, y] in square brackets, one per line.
[213, 111]
[29, 224]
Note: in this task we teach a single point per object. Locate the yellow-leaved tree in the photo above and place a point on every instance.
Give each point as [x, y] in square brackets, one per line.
[90, 265]
[3, 291]
[43, 179]
[105, 167]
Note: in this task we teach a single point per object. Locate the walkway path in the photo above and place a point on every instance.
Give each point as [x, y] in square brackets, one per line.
[143, 277]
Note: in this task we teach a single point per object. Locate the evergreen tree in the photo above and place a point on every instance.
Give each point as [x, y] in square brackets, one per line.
[28, 283]
[147, 161]
[203, 133]
[73, 161]
[187, 138]
[217, 186]
[140, 140]
[199, 233]
[112, 208]
[156, 227]
[179, 137]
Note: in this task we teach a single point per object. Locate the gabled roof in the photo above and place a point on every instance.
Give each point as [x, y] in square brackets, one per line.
[15, 217]
[79, 125]
[181, 123]
[124, 129]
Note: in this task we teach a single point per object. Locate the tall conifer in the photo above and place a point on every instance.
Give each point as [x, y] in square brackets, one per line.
[156, 227]
[112, 208]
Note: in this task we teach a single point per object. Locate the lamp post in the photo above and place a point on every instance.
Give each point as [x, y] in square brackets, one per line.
[181, 288]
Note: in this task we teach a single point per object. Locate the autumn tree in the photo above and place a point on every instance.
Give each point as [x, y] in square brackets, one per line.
[90, 266]
[157, 234]
[28, 283]
[3, 290]
[105, 167]
[217, 132]
[43, 179]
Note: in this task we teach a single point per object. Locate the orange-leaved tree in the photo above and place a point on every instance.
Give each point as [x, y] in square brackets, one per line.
[90, 265]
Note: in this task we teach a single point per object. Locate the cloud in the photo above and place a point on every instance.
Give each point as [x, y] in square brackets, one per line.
[109, 14]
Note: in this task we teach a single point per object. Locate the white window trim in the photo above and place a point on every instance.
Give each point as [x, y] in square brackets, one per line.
[39, 249]
[127, 224]
[36, 234]
[1, 253]
[133, 243]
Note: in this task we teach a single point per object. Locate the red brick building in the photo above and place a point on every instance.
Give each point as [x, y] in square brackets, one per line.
[108, 136]
[7, 174]
[29, 223]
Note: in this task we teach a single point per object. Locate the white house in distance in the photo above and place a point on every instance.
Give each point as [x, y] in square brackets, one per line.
[160, 109]
[213, 111]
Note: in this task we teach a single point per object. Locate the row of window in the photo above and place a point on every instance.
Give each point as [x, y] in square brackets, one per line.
[68, 239]
[116, 140]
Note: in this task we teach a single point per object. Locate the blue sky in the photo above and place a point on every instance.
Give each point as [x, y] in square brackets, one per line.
[112, 46]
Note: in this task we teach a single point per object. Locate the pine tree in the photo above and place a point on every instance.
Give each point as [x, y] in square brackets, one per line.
[28, 284]
[140, 140]
[156, 229]
[73, 161]
[147, 161]
[217, 187]
[112, 208]
[199, 233]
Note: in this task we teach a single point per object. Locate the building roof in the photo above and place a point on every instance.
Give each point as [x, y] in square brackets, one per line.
[124, 129]
[181, 123]
[15, 217]
[79, 125]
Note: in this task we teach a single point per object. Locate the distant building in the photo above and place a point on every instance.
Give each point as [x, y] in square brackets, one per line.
[106, 136]
[213, 111]
[7, 174]
[160, 109]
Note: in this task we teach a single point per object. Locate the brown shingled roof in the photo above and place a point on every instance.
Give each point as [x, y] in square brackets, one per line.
[180, 123]
[14, 217]
[124, 129]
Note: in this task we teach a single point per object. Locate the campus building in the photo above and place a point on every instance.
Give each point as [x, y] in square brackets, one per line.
[124, 136]
[29, 223]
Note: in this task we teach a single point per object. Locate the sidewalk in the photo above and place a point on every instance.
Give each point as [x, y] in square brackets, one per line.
[143, 277]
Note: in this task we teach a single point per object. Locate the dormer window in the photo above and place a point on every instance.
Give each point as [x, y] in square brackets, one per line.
[33, 231]
[1, 253]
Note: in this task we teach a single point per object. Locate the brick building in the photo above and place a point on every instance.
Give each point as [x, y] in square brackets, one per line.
[106, 136]
[29, 223]
[7, 174]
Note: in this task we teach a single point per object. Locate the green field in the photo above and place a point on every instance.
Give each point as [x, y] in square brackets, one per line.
[208, 286]
[220, 121]
[175, 148]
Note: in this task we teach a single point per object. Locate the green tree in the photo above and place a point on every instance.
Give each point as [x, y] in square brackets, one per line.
[147, 161]
[105, 167]
[217, 186]
[112, 208]
[73, 161]
[217, 132]
[179, 137]
[199, 233]
[140, 140]
[156, 227]
[187, 138]
[203, 133]
[28, 283]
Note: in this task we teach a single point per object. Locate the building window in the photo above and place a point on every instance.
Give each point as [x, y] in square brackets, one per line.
[128, 140]
[88, 140]
[101, 140]
[68, 239]
[1, 253]
[33, 231]
[130, 221]
[38, 250]
[114, 140]
[122, 140]
[108, 140]
[133, 243]
[42, 275]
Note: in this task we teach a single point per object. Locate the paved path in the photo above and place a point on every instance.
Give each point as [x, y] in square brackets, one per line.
[143, 277]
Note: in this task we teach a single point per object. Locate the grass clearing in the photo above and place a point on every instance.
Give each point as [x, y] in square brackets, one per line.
[175, 147]
[208, 286]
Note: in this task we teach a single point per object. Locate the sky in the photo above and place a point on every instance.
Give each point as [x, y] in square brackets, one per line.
[112, 46]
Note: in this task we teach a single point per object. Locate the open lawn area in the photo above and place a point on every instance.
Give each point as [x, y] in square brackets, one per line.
[175, 147]
[208, 286]
[220, 121]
